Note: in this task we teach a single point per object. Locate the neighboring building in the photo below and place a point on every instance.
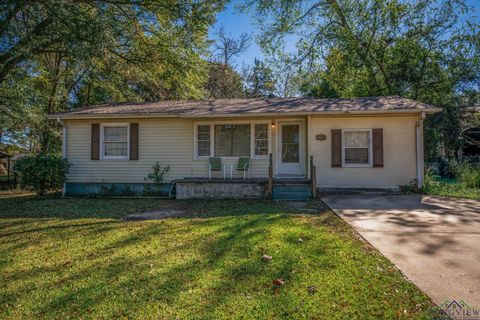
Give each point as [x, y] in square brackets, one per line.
[372, 142]
[5, 163]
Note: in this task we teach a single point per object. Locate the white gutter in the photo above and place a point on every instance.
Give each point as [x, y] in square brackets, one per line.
[420, 151]
[64, 145]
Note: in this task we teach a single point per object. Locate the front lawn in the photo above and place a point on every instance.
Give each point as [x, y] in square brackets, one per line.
[76, 258]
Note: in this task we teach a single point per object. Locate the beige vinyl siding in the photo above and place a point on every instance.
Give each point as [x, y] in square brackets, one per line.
[169, 141]
[399, 152]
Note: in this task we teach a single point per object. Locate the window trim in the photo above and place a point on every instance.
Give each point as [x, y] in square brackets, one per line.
[212, 124]
[370, 149]
[102, 141]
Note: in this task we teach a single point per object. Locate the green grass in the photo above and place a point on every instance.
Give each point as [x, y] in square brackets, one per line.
[450, 188]
[75, 258]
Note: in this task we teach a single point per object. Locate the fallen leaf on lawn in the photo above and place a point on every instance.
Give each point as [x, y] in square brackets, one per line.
[278, 282]
[266, 257]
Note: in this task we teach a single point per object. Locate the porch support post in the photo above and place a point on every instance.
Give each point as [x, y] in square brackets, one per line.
[309, 146]
[313, 179]
[8, 169]
[270, 176]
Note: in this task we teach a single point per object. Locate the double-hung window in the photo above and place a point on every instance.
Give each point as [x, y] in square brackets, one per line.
[114, 141]
[232, 139]
[357, 148]
[203, 140]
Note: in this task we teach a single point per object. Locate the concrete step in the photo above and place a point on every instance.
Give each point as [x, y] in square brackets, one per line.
[291, 196]
[292, 188]
[292, 192]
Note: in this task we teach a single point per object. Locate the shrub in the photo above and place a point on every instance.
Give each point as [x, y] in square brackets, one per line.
[447, 168]
[158, 172]
[469, 174]
[42, 173]
[429, 180]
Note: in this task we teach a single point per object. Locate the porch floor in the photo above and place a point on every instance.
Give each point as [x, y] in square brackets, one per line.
[247, 180]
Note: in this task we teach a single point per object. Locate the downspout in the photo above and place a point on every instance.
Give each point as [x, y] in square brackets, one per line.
[309, 145]
[64, 146]
[420, 151]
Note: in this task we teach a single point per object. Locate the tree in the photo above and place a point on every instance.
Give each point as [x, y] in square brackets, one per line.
[227, 47]
[224, 82]
[426, 50]
[259, 80]
[56, 54]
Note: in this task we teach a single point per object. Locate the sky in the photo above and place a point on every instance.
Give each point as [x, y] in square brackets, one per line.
[236, 23]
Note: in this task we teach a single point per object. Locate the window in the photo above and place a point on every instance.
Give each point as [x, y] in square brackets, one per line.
[203, 140]
[261, 139]
[232, 140]
[115, 141]
[357, 147]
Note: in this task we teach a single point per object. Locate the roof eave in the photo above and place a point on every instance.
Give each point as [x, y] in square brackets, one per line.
[229, 115]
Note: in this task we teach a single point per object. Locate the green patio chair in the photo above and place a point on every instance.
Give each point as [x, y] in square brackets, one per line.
[244, 165]
[214, 164]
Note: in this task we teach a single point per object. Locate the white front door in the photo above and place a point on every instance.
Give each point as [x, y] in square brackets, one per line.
[290, 149]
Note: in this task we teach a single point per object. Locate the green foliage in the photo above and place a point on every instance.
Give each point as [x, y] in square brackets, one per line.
[56, 55]
[465, 172]
[429, 180]
[469, 174]
[411, 187]
[425, 50]
[42, 173]
[259, 80]
[436, 185]
[157, 173]
[447, 168]
[224, 82]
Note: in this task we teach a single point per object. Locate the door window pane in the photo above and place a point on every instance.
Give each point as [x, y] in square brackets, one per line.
[290, 143]
[232, 140]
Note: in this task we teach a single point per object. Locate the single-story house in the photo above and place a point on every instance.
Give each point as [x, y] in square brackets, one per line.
[374, 142]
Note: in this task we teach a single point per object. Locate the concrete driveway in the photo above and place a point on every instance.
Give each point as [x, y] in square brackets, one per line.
[435, 241]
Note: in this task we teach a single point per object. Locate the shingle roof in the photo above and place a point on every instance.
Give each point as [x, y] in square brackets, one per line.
[256, 106]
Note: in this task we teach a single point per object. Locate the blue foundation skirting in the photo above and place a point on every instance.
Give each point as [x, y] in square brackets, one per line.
[87, 189]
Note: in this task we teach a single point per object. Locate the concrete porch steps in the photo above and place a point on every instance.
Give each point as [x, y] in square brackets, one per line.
[292, 191]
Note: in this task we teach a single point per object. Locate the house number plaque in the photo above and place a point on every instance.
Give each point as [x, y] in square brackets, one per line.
[321, 137]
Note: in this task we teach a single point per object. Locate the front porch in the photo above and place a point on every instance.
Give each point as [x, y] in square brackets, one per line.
[278, 188]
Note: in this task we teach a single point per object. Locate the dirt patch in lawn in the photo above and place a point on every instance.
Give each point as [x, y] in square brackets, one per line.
[153, 215]
[202, 208]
